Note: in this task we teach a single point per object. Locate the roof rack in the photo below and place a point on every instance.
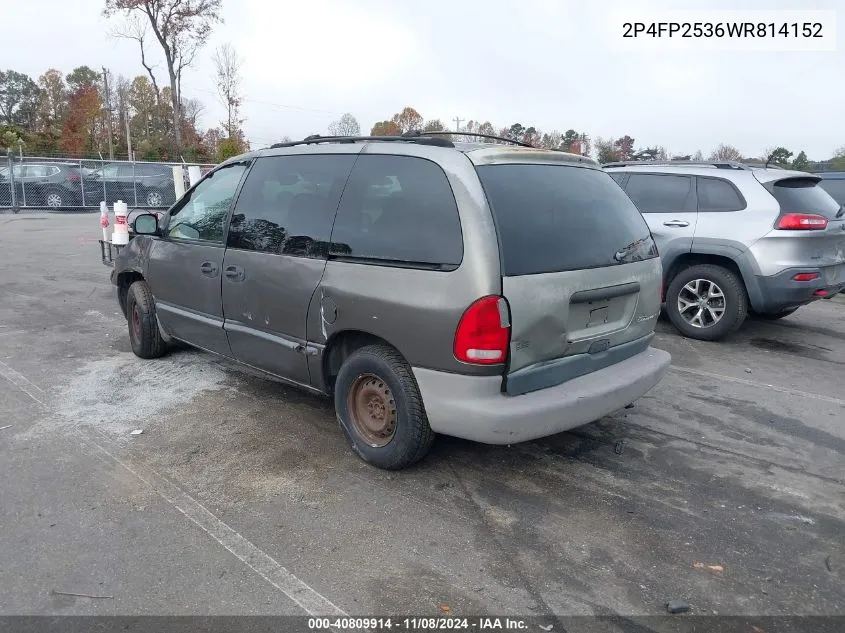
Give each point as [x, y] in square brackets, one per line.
[407, 137]
[723, 164]
[492, 137]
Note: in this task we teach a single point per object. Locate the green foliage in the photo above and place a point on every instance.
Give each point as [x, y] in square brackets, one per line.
[779, 156]
[801, 162]
[18, 99]
[227, 148]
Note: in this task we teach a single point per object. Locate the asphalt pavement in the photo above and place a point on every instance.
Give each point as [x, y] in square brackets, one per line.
[723, 487]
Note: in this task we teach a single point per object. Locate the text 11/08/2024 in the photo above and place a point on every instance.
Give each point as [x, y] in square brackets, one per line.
[451, 623]
[810, 30]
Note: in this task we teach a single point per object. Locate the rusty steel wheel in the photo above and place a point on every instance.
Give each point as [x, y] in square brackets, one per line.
[372, 410]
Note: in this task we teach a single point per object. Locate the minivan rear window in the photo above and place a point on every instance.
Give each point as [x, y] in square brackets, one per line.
[803, 195]
[553, 218]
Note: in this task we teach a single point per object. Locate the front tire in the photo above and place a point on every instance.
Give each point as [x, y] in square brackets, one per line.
[380, 409]
[144, 334]
[706, 302]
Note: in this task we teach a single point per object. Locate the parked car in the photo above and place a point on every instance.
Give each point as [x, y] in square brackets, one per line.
[735, 238]
[50, 184]
[137, 184]
[834, 183]
[499, 294]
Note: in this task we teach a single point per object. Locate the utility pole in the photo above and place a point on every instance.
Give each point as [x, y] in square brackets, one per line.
[458, 121]
[108, 111]
[124, 111]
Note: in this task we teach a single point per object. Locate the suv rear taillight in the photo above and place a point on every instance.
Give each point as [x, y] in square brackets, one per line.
[483, 333]
[802, 222]
[73, 177]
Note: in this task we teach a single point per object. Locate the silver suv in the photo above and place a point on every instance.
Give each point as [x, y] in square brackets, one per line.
[735, 238]
[490, 292]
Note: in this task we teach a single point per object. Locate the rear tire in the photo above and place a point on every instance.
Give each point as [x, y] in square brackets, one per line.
[144, 334]
[380, 409]
[774, 316]
[732, 300]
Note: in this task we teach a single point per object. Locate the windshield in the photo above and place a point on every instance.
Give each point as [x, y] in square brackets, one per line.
[552, 218]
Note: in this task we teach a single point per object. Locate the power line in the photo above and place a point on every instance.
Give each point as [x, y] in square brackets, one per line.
[273, 104]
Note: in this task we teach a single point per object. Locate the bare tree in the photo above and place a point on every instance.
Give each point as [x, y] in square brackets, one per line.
[346, 125]
[181, 28]
[725, 152]
[228, 78]
[134, 28]
[192, 110]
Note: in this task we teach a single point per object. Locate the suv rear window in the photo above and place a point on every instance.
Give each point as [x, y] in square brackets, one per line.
[552, 218]
[835, 187]
[803, 195]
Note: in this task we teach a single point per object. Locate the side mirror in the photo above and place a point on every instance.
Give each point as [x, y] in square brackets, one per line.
[145, 224]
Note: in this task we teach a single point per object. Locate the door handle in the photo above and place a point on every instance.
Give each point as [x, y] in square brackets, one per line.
[676, 223]
[235, 273]
[209, 269]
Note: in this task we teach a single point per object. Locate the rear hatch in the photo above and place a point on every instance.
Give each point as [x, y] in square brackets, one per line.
[813, 222]
[580, 271]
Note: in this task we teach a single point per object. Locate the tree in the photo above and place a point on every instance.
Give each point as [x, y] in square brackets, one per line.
[624, 148]
[434, 125]
[408, 119]
[386, 128]
[227, 148]
[551, 140]
[531, 136]
[228, 67]
[698, 156]
[181, 28]
[515, 132]
[52, 99]
[487, 128]
[778, 156]
[801, 163]
[570, 137]
[584, 144]
[649, 153]
[82, 77]
[18, 99]
[346, 125]
[78, 132]
[726, 153]
[605, 151]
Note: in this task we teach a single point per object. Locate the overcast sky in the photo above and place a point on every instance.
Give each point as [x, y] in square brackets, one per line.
[553, 64]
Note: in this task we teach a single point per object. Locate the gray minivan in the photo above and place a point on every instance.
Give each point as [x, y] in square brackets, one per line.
[492, 292]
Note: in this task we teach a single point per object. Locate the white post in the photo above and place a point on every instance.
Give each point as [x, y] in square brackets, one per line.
[178, 181]
[194, 174]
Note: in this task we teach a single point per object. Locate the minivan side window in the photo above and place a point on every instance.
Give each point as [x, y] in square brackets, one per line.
[287, 204]
[715, 194]
[660, 193]
[398, 210]
[201, 213]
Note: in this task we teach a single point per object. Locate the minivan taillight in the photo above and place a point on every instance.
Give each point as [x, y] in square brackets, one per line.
[802, 222]
[483, 333]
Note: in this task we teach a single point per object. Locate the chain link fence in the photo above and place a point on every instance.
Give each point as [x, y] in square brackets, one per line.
[63, 184]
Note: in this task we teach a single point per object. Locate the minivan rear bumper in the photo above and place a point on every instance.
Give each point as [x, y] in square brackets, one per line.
[474, 407]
